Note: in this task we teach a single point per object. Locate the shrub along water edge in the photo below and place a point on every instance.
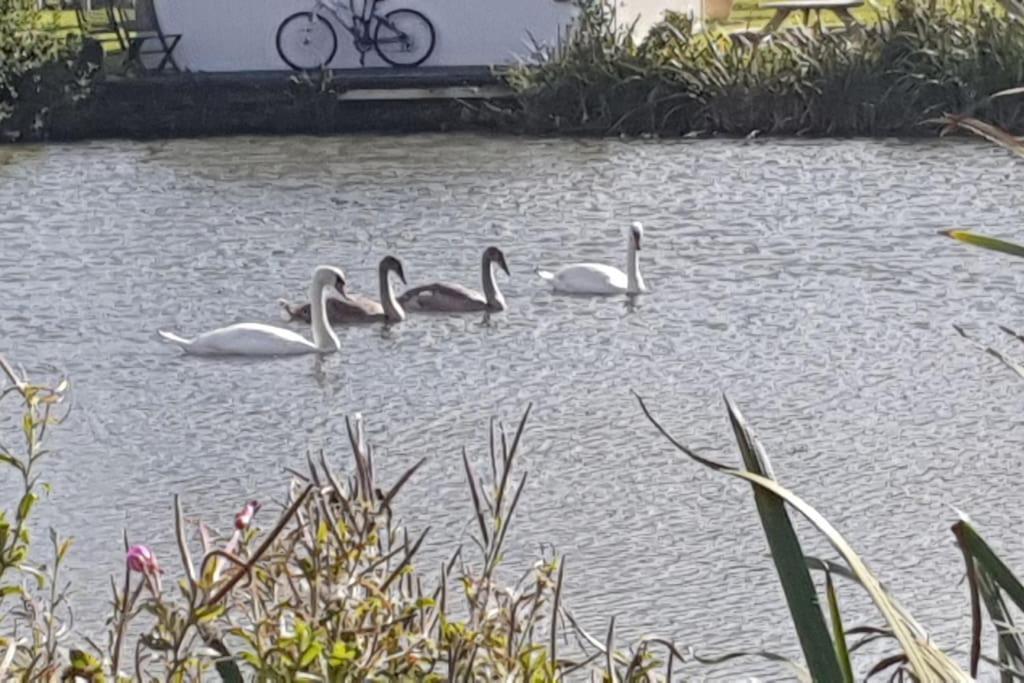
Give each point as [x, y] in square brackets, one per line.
[40, 71]
[920, 60]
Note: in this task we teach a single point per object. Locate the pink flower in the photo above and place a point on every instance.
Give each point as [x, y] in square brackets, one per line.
[141, 559]
[244, 518]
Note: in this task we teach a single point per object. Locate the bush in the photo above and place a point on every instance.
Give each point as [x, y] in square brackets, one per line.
[329, 591]
[918, 61]
[39, 70]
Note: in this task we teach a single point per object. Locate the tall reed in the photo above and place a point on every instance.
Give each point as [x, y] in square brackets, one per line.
[918, 60]
[332, 589]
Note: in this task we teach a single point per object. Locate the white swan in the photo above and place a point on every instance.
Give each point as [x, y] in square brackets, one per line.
[451, 297]
[597, 278]
[257, 339]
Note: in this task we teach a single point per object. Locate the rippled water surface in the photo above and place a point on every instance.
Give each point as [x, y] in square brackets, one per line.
[804, 278]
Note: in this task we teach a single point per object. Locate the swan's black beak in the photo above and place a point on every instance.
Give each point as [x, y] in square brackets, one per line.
[399, 272]
[502, 264]
[339, 284]
[636, 240]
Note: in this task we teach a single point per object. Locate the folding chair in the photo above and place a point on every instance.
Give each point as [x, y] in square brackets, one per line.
[143, 36]
[101, 25]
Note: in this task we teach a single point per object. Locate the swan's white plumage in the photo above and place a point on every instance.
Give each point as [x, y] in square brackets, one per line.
[257, 339]
[598, 278]
[244, 339]
[587, 278]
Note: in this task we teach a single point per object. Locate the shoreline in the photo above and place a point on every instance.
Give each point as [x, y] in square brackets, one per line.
[276, 103]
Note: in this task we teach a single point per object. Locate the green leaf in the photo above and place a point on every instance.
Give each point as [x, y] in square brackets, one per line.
[801, 595]
[989, 561]
[838, 632]
[25, 507]
[342, 653]
[322, 532]
[10, 590]
[84, 663]
[18, 555]
[302, 634]
[991, 243]
[253, 660]
[927, 663]
[210, 612]
[991, 577]
[12, 461]
[310, 655]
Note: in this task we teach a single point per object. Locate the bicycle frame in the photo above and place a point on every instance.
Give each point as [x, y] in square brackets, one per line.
[369, 28]
[359, 19]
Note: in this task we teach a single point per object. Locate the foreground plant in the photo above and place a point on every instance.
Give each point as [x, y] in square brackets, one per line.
[829, 652]
[827, 658]
[329, 592]
[34, 614]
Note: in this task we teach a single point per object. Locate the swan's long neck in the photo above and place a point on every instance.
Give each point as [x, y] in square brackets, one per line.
[634, 281]
[323, 335]
[495, 300]
[393, 311]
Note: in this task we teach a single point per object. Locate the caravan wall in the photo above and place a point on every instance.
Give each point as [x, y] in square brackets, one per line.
[230, 35]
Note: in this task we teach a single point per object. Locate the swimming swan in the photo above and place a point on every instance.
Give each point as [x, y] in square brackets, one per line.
[256, 339]
[355, 308]
[597, 278]
[454, 298]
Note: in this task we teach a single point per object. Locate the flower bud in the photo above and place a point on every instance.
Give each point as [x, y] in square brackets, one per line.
[244, 518]
[141, 559]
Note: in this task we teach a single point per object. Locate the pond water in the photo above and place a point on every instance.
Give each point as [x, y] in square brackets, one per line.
[804, 278]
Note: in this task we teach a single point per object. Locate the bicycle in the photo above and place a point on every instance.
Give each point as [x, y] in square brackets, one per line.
[402, 37]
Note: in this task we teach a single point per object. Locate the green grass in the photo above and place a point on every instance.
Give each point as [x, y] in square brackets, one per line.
[65, 22]
[748, 15]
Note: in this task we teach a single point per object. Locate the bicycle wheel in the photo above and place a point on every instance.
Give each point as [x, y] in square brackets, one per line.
[404, 38]
[306, 41]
